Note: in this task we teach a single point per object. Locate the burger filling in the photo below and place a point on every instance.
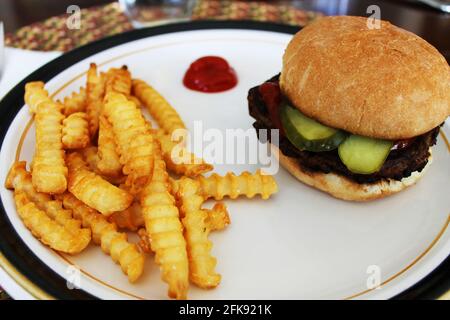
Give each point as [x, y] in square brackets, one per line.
[319, 148]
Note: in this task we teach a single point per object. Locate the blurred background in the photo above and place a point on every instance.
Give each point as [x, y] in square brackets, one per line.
[429, 23]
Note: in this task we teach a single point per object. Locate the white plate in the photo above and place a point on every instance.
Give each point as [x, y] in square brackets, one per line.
[300, 244]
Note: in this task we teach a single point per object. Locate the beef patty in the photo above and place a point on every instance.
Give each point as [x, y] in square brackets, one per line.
[398, 165]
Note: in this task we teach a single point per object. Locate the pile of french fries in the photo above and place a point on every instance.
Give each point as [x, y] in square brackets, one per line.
[100, 171]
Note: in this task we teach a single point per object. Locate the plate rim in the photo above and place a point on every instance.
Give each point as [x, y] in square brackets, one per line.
[27, 278]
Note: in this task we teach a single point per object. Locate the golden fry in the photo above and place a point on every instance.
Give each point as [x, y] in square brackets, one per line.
[75, 132]
[144, 242]
[130, 218]
[93, 190]
[165, 115]
[19, 179]
[95, 90]
[90, 155]
[44, 228]
[178, 159]
[163, 226]
[108, 158]
[76, 102]
[105, 234]
[217, 217]
[230, 185]
[201, 263]
[133, 139]
[118, 80]
[48, 167]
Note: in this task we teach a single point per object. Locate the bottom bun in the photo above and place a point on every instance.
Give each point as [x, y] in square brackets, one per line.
[344, 188]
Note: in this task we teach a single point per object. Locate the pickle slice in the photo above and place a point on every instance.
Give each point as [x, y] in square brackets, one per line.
[308, 134]
[364, 155]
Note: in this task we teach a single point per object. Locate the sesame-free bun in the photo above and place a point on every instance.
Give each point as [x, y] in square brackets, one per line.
[343, 188]
[384, 83]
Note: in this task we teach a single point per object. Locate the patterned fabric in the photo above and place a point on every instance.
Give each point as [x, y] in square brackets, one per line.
[99, 22]
[102, 21]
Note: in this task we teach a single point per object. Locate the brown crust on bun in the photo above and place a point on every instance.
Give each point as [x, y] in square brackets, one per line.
[384, 83]
[343, 188]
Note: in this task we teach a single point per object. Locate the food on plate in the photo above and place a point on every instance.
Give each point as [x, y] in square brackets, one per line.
[75, 131]
[164, 227]
[76, 102]
[232, 186]
[95, 90]
[19, 179]
[119, 175]
[201, 263]
[118, 80]
[133, 138]
[93, 190]
[358, 109]
[178, 159]
[165, 115]
[48, 167]
[108, 158]
[44, 228]
[105, 234]
[210, 74]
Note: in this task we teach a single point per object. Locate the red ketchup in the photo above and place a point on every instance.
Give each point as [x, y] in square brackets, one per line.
[271, 95]
[210, 74]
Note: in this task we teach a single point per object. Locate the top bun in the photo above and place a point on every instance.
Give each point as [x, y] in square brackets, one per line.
[384, 83]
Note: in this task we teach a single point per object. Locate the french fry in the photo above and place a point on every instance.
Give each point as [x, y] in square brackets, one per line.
[246, 184]
[76, 102]
[93, 190]
[201, 262]
[163, 226]
[133, 139]
[105, 234]
[108, 158]
[75, 132]
[144, 242]
[130, 218]
[19, 179]
[95, 90]
[44, 228]
[90, 155]
[217, 218]
[178, 159]
[165, 115]
[48, 167]
[118, 80]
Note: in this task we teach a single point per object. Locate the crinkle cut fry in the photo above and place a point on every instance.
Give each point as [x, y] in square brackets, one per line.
[19, 179]
[178, 159]
[132, 218]
[95, 90]
[105, 234]
[90, 155]
[44, 228]
[48, 167]
[118, 80]
[133, 138]
[165, 115]
[108, 157]
[246, 184]
[76, 102]
[75, 132]
[201, 262]
[163, 226]
[93, 190]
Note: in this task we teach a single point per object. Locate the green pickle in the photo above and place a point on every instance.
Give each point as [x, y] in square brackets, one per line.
[364, 155]
[308, 134]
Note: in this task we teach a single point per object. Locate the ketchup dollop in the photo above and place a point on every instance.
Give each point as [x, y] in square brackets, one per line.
[210, 74]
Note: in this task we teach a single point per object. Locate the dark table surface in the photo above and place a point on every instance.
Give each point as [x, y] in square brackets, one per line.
[432, 25]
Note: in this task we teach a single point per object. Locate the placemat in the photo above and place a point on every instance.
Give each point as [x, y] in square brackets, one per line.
[102, 21]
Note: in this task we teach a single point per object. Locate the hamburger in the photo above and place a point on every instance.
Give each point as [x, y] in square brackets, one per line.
[358, 109]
